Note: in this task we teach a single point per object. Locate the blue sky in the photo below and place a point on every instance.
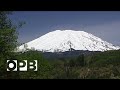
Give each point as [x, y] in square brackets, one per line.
[104, 24]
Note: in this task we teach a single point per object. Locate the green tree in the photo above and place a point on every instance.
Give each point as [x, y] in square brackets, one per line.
[8, 38]
[80, 60]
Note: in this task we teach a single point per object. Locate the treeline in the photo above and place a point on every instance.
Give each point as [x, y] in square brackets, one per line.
[103, 65]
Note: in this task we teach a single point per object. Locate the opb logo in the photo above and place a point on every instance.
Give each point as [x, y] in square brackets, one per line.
[24, 65]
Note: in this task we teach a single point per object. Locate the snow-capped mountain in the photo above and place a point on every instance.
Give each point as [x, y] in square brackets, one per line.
[65, 40]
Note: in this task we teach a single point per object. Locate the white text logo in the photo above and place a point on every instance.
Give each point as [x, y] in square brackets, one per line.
[24, 65]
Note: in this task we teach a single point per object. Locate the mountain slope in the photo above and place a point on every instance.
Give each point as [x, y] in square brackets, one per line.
[65, 40]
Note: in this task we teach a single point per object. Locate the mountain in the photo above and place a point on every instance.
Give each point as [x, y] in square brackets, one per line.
[68, 40]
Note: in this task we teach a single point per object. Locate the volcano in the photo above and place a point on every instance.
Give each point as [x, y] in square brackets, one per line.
[68, 40]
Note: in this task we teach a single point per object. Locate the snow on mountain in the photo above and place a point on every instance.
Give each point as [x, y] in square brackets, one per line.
[65, 40]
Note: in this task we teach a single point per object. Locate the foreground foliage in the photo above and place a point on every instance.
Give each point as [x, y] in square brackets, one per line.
[103, 65]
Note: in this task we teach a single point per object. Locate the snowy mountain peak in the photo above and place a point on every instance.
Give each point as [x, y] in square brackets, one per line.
[65, 40]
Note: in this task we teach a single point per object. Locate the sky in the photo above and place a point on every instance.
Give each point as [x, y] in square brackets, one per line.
[103, 24]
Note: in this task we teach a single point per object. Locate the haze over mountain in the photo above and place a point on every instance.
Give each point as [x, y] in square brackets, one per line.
[66, 40]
